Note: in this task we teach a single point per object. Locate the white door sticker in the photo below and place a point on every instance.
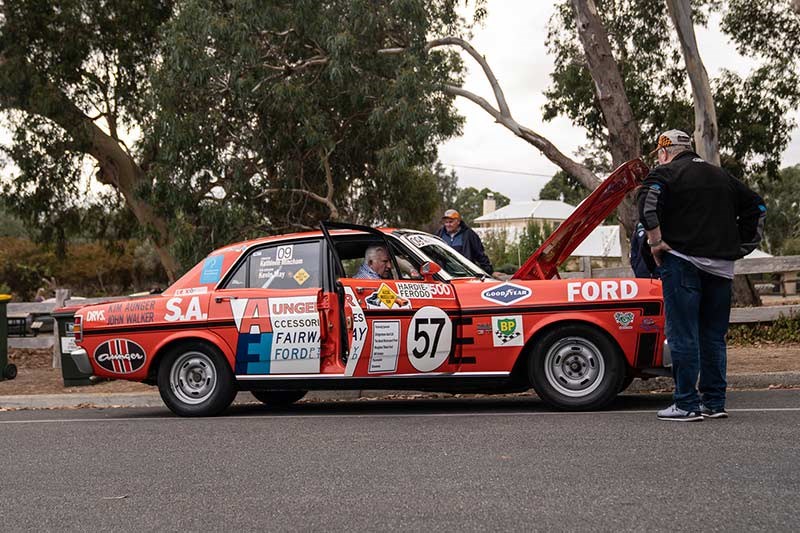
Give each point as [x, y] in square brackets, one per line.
[430, 339]
[360, 329]
[385, 346]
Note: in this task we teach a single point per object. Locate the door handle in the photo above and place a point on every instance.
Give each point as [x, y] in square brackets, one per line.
[220, 299]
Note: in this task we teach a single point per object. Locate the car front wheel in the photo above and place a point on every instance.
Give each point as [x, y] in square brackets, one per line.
[194, 379]
[576, 367]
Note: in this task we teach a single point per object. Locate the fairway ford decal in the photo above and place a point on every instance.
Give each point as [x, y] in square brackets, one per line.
[120, 356]
[277, 335]
[360, 329]
[506, 293]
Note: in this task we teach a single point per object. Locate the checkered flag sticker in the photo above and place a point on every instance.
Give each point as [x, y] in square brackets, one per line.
[502, 337]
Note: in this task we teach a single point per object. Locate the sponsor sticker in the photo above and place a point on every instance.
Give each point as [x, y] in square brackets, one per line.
[590, 291]
[506, 293]
[96, 316]
[212, 269]
[180, 311]
[484, 329]
[424, 290]
[132, 312]
[624, 319]
[191, 290]
[507, 331]
[301, 276]
[360, 329]
[648, 324]
[120, 356]
[386, 298]
[277, 335]
[385, 346]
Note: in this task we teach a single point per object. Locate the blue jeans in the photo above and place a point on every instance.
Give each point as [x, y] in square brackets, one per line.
[698, 307]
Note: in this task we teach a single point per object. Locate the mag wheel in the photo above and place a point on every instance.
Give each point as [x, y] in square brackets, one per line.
[278, 398]
[10, 371]
[576, 367]
[195, 380]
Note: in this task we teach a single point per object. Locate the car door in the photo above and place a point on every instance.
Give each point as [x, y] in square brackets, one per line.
[272, 303]
[400, 327]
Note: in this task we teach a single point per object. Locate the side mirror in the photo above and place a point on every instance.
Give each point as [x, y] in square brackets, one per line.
[429, 269]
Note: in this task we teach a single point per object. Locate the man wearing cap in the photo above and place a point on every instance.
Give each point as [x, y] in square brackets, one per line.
[699, 219]
[463, 239]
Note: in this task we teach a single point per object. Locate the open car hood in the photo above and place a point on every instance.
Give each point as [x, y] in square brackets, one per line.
[544, 262]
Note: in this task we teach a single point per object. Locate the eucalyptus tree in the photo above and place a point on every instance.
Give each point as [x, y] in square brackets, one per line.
[220, 120]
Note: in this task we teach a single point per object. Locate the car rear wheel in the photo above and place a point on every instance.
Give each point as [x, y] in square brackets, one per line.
[278, 398]
[195, 380]
[576, 367]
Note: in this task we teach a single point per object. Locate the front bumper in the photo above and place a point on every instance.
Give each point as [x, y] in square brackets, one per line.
[81, 360]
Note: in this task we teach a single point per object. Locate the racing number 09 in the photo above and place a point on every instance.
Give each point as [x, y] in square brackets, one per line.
[430, 337]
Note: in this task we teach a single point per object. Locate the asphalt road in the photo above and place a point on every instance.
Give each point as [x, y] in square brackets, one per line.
[453, 465]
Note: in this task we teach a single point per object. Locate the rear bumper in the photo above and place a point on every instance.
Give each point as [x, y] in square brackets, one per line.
[81, 360]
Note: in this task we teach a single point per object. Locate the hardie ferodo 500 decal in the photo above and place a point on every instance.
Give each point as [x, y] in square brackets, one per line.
[120, 356]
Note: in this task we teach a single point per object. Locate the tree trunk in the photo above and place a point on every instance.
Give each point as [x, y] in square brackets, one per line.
[744, 292]
[117, 167]
[796, 6]
[706, 135]
[623, 129]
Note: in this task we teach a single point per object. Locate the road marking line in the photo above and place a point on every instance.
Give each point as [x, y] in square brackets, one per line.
[375, 415]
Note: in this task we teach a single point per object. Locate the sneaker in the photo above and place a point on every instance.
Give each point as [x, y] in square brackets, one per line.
[679, 415]
[712, 413]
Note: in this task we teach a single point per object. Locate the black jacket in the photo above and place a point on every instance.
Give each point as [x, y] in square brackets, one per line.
[472, 247]
[702, 210]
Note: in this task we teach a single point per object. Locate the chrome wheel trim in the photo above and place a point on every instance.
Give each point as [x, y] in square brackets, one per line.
[574, 366]
[193, 378]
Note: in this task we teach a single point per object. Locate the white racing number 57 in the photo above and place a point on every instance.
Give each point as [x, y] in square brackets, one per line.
[430, 338]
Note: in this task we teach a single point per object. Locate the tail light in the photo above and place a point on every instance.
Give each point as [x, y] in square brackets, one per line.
[77, 328]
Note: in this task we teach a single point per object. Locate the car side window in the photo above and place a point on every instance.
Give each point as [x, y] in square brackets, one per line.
[280, 266]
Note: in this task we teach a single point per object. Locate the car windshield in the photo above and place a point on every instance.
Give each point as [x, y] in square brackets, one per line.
[451, 261]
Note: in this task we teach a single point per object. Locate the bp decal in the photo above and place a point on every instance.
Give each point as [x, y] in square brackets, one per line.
[507, 331]
[120, 356]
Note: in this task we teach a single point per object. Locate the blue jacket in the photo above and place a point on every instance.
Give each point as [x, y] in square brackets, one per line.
[471, 246]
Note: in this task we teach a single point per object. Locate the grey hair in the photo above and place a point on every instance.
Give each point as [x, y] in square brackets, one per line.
[372, 251]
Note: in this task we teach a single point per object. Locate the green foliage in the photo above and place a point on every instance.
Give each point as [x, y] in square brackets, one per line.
[782, 228]
[249, 113]
[782, 331]
[508, 256]
[752, 112]
[268, 105]
[88, 269]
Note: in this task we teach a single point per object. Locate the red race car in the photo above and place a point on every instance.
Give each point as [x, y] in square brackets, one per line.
[282, 315]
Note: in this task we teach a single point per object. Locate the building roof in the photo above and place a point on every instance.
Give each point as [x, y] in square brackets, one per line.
[542, 209]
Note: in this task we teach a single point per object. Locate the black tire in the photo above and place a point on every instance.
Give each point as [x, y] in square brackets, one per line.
[10, 371]
[194, 379]
[576, 367]
[626, 382]
[278, 398]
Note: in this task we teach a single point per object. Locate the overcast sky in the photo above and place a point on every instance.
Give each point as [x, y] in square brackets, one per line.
[513, 40]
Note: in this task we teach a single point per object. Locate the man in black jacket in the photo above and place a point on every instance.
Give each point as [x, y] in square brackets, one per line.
[699, 220]
[463, 239]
